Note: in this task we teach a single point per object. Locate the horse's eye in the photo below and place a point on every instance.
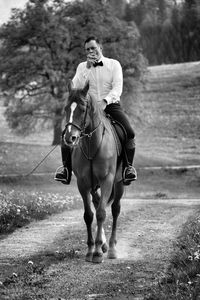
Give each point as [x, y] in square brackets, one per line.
[67, 108]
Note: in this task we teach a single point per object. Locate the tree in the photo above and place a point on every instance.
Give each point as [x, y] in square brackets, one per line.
[169, 29]
[41, 47]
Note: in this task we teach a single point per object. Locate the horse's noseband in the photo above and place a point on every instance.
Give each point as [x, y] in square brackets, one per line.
[76, 126]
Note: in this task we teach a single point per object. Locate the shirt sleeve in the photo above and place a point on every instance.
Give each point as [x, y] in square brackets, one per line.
[79, 78]
[117, 84]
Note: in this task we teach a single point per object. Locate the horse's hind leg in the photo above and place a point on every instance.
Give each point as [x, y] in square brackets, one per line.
[119, 189]
[88, 217]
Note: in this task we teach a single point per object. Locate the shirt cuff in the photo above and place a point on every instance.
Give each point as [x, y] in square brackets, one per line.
[108, 100]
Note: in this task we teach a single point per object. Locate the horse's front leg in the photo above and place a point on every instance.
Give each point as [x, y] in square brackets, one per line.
[88, 217]
[106, 188]
[96, 200]
[119, 189]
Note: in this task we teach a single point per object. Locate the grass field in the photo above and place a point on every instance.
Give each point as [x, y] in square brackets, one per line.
[171, 121]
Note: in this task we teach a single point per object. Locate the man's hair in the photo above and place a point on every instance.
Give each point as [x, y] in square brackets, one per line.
[92, 38]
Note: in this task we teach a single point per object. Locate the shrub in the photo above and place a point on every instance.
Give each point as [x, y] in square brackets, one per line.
[19, 208]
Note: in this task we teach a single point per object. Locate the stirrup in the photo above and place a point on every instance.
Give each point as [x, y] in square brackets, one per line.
[59, 168]
[62, 168]
[127, 181]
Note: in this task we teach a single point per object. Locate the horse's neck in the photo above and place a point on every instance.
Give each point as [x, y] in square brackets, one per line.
[95, 121]
[94, 134]
[95, 116]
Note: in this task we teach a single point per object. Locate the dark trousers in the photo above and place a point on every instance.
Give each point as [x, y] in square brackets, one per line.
[116, 112]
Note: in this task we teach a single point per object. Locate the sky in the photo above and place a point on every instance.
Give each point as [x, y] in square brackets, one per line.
[6, 6]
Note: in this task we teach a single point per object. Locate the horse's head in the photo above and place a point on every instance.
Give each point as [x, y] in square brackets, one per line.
[76, 114]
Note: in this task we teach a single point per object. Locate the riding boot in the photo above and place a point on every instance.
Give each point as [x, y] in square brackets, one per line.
[129, 173]
[66, 173]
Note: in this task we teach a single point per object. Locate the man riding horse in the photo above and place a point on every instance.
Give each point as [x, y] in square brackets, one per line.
[105, 85]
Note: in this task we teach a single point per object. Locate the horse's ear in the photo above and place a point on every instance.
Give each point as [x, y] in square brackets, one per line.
[70, 85]
[85, 89]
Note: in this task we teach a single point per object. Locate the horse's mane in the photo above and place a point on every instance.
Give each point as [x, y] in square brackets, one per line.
[76, 95]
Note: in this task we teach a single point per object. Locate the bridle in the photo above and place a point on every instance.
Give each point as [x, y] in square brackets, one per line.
[83, 129]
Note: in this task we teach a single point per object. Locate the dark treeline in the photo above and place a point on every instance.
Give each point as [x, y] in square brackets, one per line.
[170, 29]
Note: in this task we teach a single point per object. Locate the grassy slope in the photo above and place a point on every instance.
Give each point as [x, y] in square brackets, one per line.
[168, 133]
[171, 122]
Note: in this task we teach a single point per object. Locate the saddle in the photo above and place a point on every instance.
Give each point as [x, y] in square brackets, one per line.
[119, 134]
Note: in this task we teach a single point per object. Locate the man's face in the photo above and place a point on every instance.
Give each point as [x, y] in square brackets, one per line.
[93, 49]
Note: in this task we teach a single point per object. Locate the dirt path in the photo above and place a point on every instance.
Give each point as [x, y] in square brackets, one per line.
[147, 229]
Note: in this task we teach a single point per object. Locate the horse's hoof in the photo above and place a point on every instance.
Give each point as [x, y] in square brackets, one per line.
[89, 257]
[104, 247]
[112, 254]
[97, 258]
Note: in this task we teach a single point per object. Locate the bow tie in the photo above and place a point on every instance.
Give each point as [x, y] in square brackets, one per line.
[100, 63]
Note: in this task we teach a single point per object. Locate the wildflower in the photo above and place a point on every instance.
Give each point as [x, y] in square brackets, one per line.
[197, 255]
[190, 257]
[189, 282]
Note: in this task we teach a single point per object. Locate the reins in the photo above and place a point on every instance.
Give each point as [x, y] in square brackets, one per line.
[89, 135]
[29, 173]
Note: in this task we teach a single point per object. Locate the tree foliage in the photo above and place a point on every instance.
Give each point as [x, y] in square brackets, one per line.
[170, 31]
[41, 47]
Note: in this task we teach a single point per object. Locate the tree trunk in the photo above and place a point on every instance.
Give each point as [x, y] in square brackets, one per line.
[57, 129]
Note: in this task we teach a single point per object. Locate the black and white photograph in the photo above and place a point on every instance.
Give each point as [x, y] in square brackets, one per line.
[99, 150]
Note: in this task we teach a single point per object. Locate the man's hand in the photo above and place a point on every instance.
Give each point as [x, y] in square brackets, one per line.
[91, 59]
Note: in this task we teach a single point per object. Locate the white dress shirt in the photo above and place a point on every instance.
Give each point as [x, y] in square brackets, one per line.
[105, 82]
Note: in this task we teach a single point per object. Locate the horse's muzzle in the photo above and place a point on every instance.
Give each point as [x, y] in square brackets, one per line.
[71, 139]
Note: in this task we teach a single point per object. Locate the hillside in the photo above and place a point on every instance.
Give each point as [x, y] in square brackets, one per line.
[168, 132]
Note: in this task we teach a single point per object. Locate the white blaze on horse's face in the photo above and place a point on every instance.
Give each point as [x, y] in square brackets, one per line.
[72, 133]
[73, 107]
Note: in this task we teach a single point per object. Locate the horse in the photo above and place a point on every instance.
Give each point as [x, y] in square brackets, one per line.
[97, 167]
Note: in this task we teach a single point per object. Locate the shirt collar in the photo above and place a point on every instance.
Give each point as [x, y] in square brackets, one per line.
[101, 58]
